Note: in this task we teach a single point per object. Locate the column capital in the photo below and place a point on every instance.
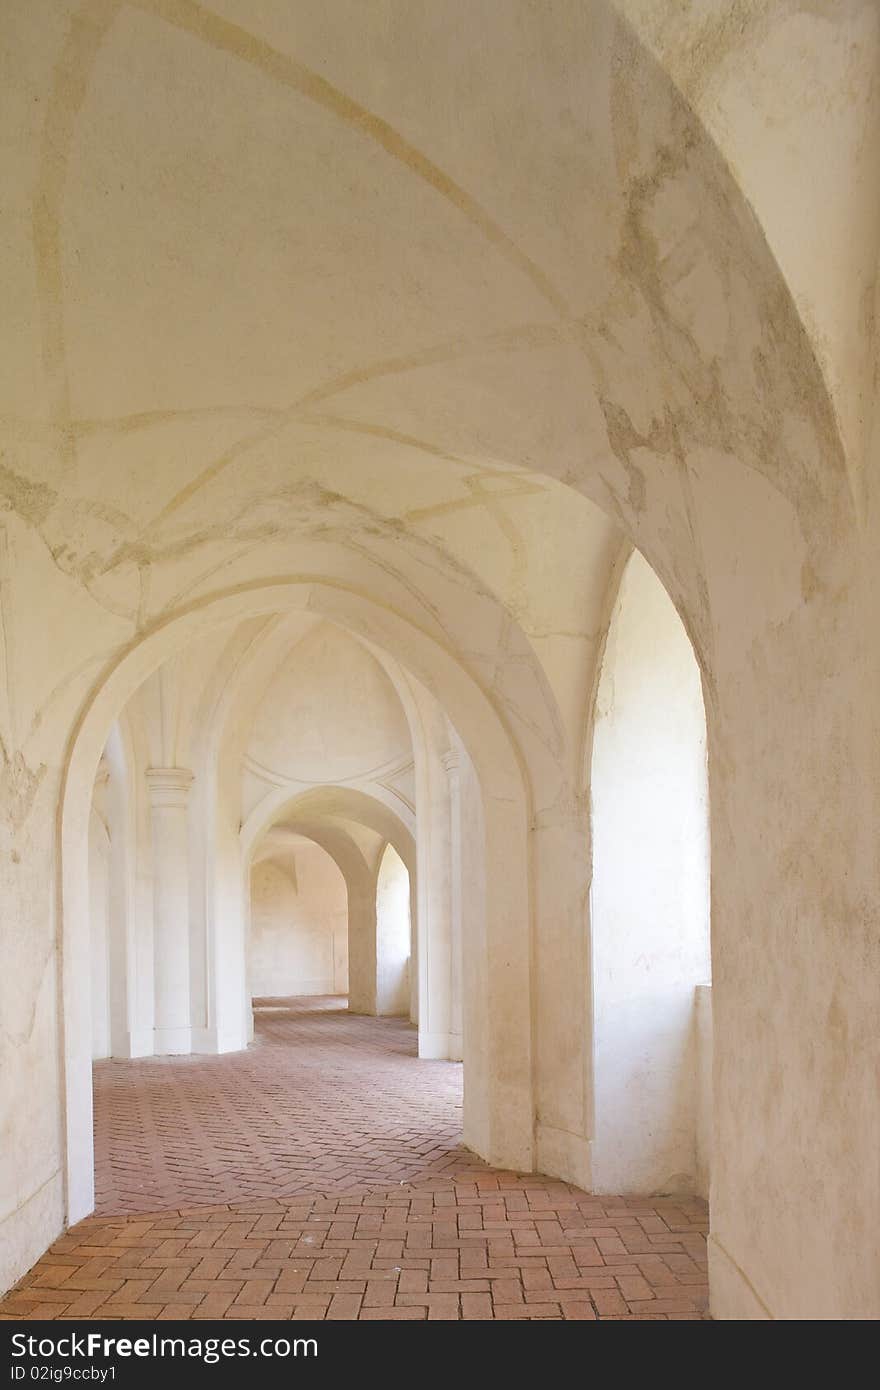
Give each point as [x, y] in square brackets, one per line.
[168, 786]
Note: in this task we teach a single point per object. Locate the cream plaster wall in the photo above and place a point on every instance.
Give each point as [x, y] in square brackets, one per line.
[398, 326]
[299, 925]
[329, 715]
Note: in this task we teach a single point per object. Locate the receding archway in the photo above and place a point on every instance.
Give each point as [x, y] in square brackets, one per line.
[503, 1129]
[354, 828]
[393, 935]
[604, 305]
[298, 920]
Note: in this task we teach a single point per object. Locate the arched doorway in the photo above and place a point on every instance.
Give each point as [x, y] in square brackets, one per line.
[616, 303]
[649, 900]
[298, 921]
[494, 1127]
[393, 935]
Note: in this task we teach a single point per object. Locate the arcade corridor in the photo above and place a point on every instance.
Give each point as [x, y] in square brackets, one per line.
[318, 1175]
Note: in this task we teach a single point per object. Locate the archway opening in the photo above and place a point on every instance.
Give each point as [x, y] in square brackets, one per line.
[393, 935]
[650, 901]
[298, 939]
[174, 703]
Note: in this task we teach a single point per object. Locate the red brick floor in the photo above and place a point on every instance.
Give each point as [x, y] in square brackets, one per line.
[323, 1100]
[318, 1176]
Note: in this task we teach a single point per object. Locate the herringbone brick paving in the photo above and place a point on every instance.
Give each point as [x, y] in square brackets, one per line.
[322, 1099]
[453, 1239]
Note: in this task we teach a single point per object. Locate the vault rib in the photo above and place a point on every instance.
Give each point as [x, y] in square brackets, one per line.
[240, 43]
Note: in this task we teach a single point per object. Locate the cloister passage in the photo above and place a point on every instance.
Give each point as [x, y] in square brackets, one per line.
[323, 1101]
[286, 1011]
[451, 428]
[319, 1175]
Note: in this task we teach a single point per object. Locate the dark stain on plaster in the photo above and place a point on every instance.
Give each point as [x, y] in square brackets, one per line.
[724, 235]
[32, 501]
[809, 581]
[703, 409]
[624, 438]
[19, 785]
[722, 33]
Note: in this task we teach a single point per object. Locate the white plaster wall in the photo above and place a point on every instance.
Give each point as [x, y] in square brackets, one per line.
[601, 304]
[329, 714]
[703, 1011]
[650, 894]
[121, 822]
[99, 941]
[393, 932]
[436, 900]
[475, 963]
[141, 1006]
[299, 925]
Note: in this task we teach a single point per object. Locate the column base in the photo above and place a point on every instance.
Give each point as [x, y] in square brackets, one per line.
[204, 1040]
[439, 1047]
[562, 1154]
[137, 1043]
[172, 1042]
[211, 1043]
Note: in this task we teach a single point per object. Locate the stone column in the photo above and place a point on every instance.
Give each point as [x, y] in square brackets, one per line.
[451, 763]
[168, 790]
[100, 853]
[435, 887]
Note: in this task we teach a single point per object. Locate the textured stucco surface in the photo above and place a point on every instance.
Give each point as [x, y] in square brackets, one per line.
[398, 318]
